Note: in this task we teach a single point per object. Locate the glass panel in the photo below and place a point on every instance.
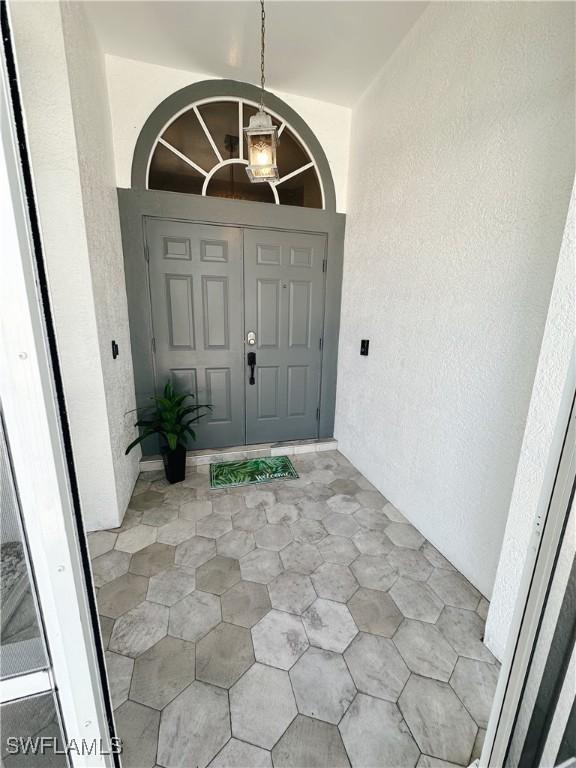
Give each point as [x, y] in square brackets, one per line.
[231, 181]
[169, 172]
[221, 118]
[248, 112]
[187, 135]
[22, 647]
[303, 190]
[290, 154]
[31, 734]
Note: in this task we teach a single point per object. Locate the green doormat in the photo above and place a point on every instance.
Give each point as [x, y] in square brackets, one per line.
[227, 474]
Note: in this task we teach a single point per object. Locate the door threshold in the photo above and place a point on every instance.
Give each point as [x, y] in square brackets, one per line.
[237, 453]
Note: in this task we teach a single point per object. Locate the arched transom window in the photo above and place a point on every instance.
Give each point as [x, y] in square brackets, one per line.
[202, 151]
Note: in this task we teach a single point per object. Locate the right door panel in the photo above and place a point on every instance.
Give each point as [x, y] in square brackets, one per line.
[284, 308]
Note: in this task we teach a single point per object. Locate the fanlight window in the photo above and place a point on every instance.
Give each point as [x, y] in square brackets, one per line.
[202, 151]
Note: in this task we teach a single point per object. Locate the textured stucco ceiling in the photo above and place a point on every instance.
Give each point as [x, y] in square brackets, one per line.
[325, 50]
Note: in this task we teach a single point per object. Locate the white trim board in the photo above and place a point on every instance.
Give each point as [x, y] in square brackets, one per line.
[237, 453]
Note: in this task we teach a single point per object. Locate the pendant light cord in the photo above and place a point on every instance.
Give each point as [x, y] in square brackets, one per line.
[262, 49]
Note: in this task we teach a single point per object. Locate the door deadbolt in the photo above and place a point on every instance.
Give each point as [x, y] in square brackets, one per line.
[251, 338]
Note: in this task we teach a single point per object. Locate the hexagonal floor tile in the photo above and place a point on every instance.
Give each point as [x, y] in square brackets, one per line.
[282, 514]
[257, 498]
[194, 616]
[119, 670]
[410, 563]
[118, 596]
[176, 532]
[291, 592]
[146, 500]
[153, 559]
[372, 519]
[322, 685]
[106, 627]
[475, 683]
[425, 650]
[376, 666]
[434, 557]
[238, 754]
[162, 672]
[194, 552]
[235, 543]
[301, 558]
[213, 526]
[308, 531]
[139, 728]
[371, 499]
[426, 761]
[261, 565]
[228, 504]
[204, 710]
[218, 574]
[464, 630]
[372, 542]
[109, 566]
[160, 515]
[375, 734]
[329, 625]
[394, 514]
[416, 600]
[195, 510]
[100, 542]
[454, 589]
[374, 572]
[375, 612]
[437, 718]
[334, 582]
[279, 639]
[338, 549]
[223, 655]
[404, 535]
[245, 604]
[249, 519]
[139, 629]
[313, 510]
[171, 585]
[344, 503]
[339, 524]
[309, 742]
[262, 705]
[274, 537]
[349, 487]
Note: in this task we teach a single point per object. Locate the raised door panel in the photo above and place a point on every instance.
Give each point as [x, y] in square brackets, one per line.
[195, 276]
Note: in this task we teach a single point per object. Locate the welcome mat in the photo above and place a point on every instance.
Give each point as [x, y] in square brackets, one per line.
[228, 474]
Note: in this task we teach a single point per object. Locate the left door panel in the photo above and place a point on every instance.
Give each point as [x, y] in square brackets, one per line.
[196, 287]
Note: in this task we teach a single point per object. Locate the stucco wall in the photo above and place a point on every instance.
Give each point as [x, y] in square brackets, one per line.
[547, 418]
[68, 133]
[136, 88]
[88, 90]
[460, 176]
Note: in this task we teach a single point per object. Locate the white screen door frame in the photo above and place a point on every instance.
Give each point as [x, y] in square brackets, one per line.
[42, 467]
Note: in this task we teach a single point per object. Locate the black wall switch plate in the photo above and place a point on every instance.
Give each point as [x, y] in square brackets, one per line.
[364, 347]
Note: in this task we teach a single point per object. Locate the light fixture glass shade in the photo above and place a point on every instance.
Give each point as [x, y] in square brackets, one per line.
[261, 140]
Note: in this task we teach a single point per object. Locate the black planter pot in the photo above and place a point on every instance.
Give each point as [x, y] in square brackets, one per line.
[175, 464]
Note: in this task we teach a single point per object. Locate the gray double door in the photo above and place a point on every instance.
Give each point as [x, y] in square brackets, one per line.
[237, 318]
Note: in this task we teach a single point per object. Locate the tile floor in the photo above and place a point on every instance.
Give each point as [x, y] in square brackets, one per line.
[298, 624]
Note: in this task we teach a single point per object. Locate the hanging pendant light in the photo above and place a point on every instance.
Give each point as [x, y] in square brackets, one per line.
[261, 134]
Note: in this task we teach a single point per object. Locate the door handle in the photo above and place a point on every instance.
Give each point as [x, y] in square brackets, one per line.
[252, 363]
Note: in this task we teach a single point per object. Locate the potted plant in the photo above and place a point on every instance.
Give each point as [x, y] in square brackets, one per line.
[171, 418]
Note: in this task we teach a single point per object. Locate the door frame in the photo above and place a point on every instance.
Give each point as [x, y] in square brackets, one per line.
[135, 204]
